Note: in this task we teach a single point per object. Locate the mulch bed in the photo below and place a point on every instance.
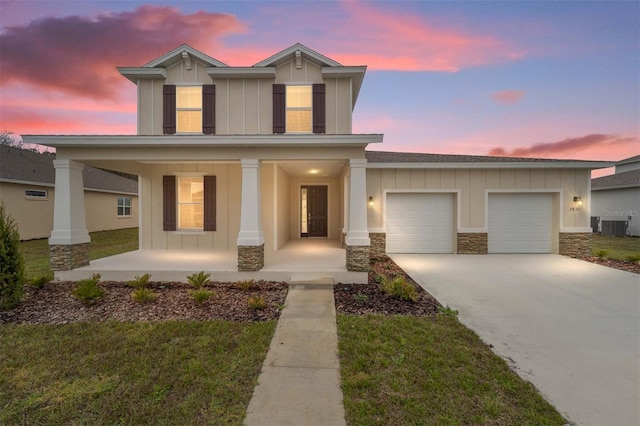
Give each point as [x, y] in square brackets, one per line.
[360, 299]
[54, 304]
[624, 265]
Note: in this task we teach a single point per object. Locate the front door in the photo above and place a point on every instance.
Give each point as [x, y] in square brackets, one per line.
[314, 211]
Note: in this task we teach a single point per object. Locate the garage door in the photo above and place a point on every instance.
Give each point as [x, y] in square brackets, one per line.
[419, 223]
[520, 223]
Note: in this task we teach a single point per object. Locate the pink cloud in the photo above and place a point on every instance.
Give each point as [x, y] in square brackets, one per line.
[78, 55]
[508, 96]
[594, 147]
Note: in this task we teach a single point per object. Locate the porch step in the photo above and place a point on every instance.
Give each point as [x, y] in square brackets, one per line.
[305, 279]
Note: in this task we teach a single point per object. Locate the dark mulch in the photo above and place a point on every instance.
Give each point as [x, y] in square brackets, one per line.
[624, 265]
[361, 299]
[54, 304]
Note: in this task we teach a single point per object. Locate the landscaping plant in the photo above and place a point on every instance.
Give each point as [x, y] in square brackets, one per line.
[199, 280]
[142, 294]
[11, 262]
[256, 302]
[87, 290]
[246, 285]
[398, 287]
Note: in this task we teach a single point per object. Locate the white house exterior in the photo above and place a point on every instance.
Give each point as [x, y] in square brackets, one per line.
[617, 197]
[247, 159]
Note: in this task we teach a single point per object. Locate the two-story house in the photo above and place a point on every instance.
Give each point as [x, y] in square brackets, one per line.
[249, 159]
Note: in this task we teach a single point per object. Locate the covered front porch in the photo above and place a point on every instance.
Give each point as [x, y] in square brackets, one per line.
[298, 260]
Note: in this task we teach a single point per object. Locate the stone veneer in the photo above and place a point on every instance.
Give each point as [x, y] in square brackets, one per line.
[68, 257]
[358, 258]
[343, 239]
[473, 243]
[250, 258]
[575, 244]
[378, 244]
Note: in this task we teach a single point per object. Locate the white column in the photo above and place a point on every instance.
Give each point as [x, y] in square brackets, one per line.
[358, 234]
[250, 215]
[69, 223]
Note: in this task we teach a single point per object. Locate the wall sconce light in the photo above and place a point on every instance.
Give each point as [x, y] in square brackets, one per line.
[371, 201]
[578, 200]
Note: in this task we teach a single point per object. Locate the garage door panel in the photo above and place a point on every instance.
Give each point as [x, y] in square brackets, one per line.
[419, 223]
[520, 223]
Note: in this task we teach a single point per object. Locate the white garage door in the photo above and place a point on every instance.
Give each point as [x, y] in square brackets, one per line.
[520, 223]
[419, 223]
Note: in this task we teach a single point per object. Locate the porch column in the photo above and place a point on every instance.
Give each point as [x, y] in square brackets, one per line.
[357, 241]
[251, 237]
[69, 242]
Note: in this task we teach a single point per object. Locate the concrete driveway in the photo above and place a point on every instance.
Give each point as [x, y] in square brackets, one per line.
[570, 327]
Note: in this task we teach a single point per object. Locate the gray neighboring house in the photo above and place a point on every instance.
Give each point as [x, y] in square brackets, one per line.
[615, 199]
[27, 188]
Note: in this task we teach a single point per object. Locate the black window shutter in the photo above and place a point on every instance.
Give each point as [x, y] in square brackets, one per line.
[279, 105]
[209, 203]
[209, 109]
[318, 108]
[169, 109]
[169, 203]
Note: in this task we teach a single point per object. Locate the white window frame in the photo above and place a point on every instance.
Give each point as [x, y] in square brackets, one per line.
[287, 108]
[33, 196]
[179, 109]
[121, 204]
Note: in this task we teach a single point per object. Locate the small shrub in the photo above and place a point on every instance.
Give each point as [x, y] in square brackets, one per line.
[87, 290]
[143, 295]
[199, 280]
[256, 302]
[634, 257]
[360, 297]
[399, 288]
[40, 281]
[246, 285]
[447, 311]
[601, 253]
[201, 295]
[11, 262]
[140, 282]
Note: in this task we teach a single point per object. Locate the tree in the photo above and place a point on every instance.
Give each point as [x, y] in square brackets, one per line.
[8, 139]
[11, 262]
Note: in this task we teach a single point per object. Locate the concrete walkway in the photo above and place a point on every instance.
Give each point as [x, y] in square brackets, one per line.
[300, 379]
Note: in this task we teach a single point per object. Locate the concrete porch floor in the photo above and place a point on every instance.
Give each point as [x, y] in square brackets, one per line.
[297, 261]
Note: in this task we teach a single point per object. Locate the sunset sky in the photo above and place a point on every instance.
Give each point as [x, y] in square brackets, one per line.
[556, 79]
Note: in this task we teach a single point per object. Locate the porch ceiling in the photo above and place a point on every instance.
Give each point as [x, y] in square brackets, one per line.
[313, 168]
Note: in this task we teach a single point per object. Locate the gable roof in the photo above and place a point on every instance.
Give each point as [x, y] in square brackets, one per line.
[634, 159]
[410, 159]
[290, 52]
[630, 179]
[28, 167]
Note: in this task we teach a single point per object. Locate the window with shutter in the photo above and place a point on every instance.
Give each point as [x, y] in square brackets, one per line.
[169, 203]
[169, 109]
[189, 203]
[318, 108]
[279, 107]
[209, 109]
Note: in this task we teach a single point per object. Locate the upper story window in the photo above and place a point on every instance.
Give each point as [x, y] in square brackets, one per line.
[189, 109]
[299, 109]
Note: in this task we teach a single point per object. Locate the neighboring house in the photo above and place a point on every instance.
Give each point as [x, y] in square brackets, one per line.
[27, 191]
[615, 199]
[245, 159]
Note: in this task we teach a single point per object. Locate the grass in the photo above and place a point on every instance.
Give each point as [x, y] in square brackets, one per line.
[103, 244]
[414, 371]
[616, 247]
[130, 373]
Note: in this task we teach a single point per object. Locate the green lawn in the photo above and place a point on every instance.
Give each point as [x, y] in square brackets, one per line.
[103, 244]
[416, 371]
[616, 247]
[130, 373]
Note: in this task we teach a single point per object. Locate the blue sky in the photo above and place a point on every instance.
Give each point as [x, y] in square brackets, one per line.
[524, 78]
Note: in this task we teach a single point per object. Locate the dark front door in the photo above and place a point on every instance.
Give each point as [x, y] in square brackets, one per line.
[316, 210]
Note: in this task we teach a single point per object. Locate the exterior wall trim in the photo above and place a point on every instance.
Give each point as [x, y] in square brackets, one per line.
[592, 165]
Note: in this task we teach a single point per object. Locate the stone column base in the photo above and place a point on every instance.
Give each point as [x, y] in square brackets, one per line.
[68, 257]
[575, 244]
[473, 243]
[250, 258]
[378, 244]
[358, 258]
[343, 239]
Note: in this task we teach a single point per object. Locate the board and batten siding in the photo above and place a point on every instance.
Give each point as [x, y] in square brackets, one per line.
[473, 185]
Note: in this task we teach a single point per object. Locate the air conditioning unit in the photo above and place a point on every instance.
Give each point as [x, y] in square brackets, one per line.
[616, 228]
